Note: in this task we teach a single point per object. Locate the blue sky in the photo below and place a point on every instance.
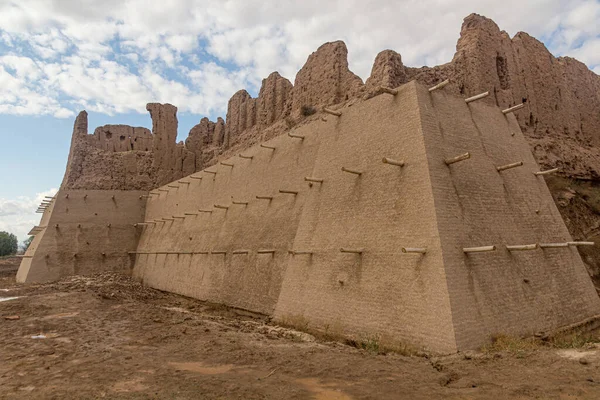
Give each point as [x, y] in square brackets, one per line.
[111, 57]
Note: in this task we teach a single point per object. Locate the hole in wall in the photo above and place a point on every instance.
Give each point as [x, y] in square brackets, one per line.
[502, 71]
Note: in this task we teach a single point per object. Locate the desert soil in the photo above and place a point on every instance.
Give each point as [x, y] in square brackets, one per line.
[106, 336]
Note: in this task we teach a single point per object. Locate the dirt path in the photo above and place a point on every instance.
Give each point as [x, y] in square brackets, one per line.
[107, 337]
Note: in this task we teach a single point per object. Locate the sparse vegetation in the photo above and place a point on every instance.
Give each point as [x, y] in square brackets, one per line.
[512, 344]
[377, 344]
[573, 341]
[26, 243]
[522, 346]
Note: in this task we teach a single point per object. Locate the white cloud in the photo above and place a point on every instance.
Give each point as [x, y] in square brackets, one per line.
[114, 56]
[18, 215]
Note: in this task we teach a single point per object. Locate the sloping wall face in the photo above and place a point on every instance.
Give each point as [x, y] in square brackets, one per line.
[84, 232]
[381, 291]
[510, 292]
[329, 250]
[251, 281]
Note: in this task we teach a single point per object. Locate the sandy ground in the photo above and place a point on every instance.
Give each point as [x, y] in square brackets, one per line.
[108, 337]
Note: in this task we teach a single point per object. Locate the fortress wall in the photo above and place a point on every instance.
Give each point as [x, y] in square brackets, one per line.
[249, 281]
[27, 260]
[69, 249]
[383, 291]
[498, 292]
[443, 300]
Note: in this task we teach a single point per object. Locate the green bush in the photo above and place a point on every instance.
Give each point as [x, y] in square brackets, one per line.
[8, 244]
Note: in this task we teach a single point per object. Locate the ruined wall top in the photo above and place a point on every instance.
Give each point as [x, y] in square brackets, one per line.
[561, 118]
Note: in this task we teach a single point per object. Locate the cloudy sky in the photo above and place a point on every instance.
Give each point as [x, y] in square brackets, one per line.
[111, 57]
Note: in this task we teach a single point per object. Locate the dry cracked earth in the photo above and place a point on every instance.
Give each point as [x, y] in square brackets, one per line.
[107, 337]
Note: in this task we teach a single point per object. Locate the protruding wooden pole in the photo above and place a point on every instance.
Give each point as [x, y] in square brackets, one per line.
[332, 112]
[163, 190]
[355, 251]
[218, 252]
[581, 243]
[210, 172]
[310, 179]
[352, 171]
[294, 192]
[456, 159]
[178, 216]
[195, 177]
[553, 245]
[226, 164]
[480, 249]
[299, 252]
[221, 206]
[246, 157]
[477, 97]
[264, 197]
[184, 182]
[244, 203]
[522, 247]
[292, 135]
[421, 250]
[509, 166]
[390, 161]
[173, 186]
[388, 90]
[189, 213]
[512, 109]
[439, 85]
[264, 146]
[265, 251]
[240, 252]
[548, 171]
[168, 219]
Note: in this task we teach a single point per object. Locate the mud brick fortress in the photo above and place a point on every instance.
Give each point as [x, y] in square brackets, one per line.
[413, 205]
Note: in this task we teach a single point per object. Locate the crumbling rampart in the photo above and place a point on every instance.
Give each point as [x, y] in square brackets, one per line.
[560, 119]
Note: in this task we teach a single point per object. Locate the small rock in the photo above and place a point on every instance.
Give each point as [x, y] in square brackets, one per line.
[584, 361]
[12, 317]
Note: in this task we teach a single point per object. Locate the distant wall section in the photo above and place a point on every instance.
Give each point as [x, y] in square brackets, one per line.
[85, 232]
